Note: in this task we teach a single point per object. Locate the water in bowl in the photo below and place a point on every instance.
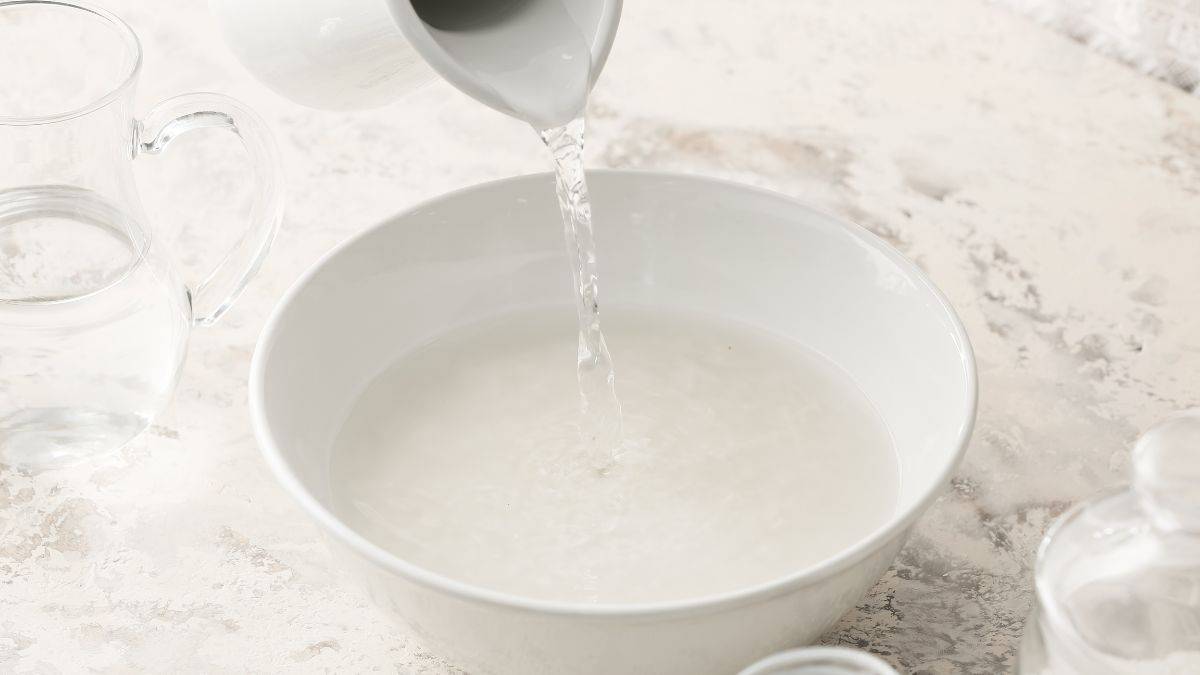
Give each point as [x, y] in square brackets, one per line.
[745, 457]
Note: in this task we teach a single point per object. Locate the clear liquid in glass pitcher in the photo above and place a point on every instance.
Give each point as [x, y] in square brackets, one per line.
[94, 317]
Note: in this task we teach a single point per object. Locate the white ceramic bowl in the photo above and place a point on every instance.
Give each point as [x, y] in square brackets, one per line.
[696, 243]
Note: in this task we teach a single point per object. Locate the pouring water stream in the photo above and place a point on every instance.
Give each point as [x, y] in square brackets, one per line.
[600, 422]
[543, 78]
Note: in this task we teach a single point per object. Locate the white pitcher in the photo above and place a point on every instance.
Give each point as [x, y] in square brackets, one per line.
[513, 55]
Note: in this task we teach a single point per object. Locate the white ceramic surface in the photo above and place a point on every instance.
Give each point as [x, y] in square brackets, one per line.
[326, 54]
[707, 245]
[354, 54]
[821, 661]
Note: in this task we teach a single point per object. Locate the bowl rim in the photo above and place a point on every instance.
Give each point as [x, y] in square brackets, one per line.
[845, 657]
[806, 576]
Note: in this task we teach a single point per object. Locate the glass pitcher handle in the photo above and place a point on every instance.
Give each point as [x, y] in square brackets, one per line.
[181, 114]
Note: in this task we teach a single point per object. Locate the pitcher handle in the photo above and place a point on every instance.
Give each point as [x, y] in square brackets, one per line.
[181, 114]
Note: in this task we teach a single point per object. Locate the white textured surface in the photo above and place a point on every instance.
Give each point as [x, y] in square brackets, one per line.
[1158, 37]
[1049, 191]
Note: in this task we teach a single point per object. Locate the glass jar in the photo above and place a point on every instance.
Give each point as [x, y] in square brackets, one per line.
[1118, 577]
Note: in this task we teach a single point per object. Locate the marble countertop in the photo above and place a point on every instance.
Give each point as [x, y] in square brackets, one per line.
[1050, 191]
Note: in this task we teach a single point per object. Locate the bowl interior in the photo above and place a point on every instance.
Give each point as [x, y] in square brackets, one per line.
[664, 240]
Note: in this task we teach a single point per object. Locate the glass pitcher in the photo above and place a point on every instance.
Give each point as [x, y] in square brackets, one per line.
[94, 316]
